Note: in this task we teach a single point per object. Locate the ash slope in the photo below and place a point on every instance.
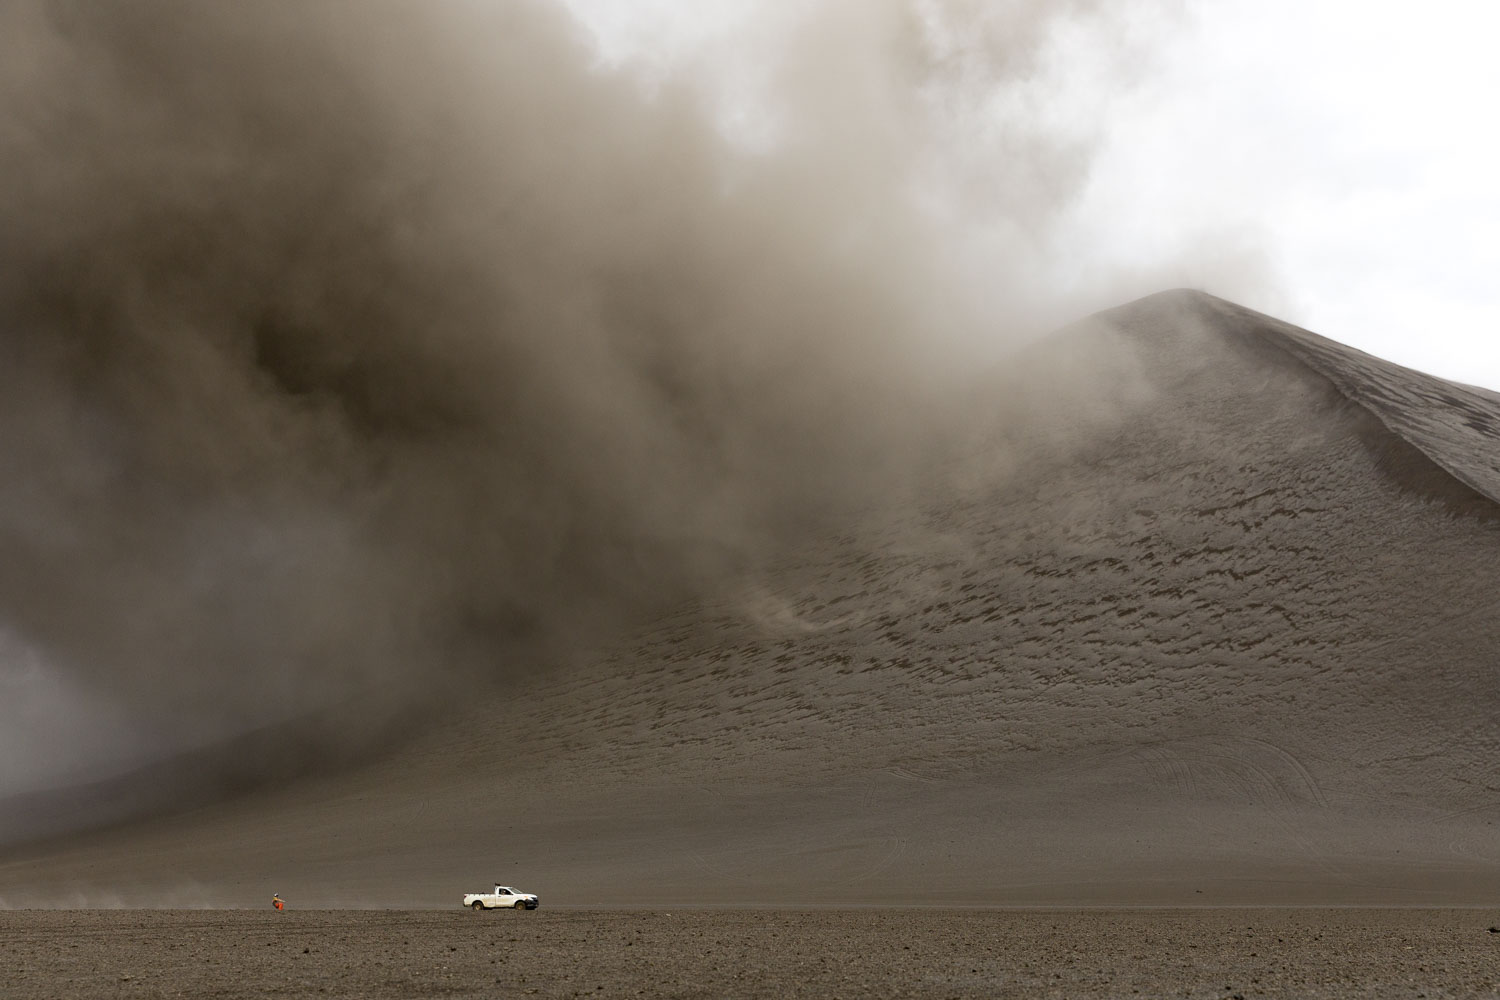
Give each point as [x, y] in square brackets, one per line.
[1199, 612]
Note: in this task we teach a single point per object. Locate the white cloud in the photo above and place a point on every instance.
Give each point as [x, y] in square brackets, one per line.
[1350, 142]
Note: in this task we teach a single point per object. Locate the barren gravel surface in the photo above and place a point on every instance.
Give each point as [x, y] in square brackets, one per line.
[915, 952]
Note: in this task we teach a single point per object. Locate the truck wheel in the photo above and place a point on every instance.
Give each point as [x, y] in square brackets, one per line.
[520, 904]
[477, 905]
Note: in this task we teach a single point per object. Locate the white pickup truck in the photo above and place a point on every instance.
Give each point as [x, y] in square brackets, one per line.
[503, 897]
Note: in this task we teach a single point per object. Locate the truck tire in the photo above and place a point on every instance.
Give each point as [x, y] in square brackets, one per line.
[520, 904]
[477, 905]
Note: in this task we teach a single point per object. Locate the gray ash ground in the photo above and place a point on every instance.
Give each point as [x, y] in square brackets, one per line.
[917, 952]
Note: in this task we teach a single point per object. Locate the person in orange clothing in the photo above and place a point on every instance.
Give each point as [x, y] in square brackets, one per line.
[278, 902]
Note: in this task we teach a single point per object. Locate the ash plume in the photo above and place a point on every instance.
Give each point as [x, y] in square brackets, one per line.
[360, 350]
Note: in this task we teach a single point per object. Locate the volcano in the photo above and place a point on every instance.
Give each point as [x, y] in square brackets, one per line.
[1196, 608]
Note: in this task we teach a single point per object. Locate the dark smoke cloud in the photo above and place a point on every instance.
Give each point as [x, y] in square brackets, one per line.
[355, 350]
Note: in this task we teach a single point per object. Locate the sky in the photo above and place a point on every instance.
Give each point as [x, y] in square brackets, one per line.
[1331, 162]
